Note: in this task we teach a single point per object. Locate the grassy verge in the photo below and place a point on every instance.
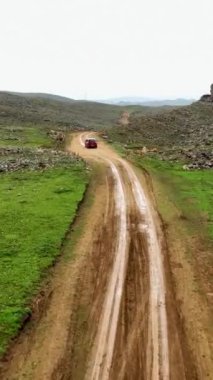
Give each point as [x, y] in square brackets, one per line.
[184, 200]
[190, 191]
[36, 210]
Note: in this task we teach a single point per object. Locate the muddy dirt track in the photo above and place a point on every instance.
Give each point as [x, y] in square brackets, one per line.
[132, 339]
[111, 312]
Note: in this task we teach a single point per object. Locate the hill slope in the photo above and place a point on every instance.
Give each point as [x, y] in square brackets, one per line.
[55, 110]
[185, 132]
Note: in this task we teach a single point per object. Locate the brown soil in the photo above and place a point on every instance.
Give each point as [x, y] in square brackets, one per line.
[113, 312]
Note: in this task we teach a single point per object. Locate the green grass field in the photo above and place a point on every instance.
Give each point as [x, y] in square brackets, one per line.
[190, 191]
[25, 135]
[36, 211]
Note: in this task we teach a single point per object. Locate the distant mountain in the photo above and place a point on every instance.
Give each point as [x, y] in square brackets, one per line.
[126, 101]
[169, 102]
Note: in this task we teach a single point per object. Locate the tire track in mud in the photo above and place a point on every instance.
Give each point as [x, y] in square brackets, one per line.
[90, 294]
[156, 358]
[157, 354]
[104, 346]
[129, 361]
[156, 343]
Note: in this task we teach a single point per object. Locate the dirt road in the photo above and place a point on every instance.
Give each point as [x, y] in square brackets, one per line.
[114, 308]
[157, 347]
[138, 238]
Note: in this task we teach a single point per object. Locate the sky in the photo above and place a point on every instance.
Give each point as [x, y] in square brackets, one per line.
[100, 49]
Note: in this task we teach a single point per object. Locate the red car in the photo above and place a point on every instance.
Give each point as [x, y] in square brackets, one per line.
[91, 143]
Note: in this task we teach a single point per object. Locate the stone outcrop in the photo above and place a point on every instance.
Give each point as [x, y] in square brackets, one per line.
[208, 97]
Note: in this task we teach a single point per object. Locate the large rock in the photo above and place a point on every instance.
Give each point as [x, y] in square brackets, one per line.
[208, 97]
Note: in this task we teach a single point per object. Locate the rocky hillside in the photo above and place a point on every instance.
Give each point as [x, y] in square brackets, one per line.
[184, 134]
[32, 128]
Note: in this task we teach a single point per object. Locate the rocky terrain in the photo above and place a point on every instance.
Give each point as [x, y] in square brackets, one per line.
[183, 134]
[178, 134]
[33, 128]
[13, 159]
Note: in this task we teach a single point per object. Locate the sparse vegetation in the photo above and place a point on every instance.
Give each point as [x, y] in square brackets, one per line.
[54, 112]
